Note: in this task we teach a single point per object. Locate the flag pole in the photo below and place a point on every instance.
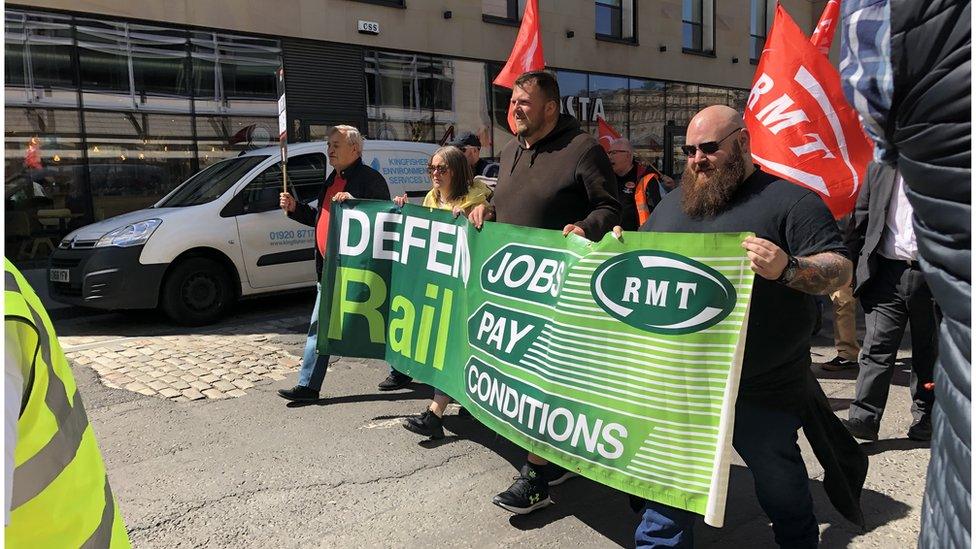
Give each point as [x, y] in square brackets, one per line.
[283, 130]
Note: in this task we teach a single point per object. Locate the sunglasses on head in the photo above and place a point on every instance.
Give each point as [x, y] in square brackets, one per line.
[710, 147]
[431, 169]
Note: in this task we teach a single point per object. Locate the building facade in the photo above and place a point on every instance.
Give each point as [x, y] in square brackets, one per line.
[110, 104]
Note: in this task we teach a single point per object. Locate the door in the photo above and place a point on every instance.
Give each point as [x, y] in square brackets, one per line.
[674, 159]
[277, 250]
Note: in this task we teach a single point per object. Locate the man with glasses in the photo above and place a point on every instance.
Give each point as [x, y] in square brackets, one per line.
[470, 145]
[553, 176]
[350, 178]
[797, 253]
[639, 187]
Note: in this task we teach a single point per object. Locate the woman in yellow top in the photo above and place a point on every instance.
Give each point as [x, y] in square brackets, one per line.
[455, 189]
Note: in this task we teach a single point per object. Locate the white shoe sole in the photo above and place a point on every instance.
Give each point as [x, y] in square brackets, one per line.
[524, 510]
[561, 479]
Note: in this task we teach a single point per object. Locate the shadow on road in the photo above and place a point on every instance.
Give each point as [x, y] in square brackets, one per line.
[80, 321]
[607, 511]
[888, 445]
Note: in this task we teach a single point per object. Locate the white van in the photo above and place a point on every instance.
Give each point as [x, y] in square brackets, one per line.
[217, 237]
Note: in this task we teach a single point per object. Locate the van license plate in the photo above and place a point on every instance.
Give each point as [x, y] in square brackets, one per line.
[60, 275]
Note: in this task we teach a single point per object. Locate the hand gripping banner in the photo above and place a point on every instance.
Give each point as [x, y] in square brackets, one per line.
[617, 360]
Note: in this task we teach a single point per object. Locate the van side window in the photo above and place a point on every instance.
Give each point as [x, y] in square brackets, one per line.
[306, 175]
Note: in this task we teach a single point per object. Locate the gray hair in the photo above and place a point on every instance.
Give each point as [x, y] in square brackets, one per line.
[353, 137]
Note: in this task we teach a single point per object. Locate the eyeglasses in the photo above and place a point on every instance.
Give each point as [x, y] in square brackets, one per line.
[710, 147]
[440, 170]
[612, 153]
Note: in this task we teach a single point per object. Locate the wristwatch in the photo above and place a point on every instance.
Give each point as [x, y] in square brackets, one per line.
[789, 271]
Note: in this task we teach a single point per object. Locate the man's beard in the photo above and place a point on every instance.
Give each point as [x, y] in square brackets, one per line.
[711, 196]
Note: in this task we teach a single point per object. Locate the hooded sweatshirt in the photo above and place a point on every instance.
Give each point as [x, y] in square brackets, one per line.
[564, 178]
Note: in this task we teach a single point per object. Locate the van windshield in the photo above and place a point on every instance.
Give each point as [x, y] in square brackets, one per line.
[212, 182]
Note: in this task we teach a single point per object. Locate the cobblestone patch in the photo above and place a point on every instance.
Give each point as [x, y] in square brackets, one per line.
[218, 364]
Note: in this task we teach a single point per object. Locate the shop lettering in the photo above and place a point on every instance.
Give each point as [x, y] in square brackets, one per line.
[569, 103]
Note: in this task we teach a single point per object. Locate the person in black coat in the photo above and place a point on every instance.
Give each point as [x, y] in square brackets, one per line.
[349, 179]
[893, 293]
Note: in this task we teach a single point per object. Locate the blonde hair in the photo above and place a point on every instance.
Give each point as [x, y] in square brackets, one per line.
[351, 133]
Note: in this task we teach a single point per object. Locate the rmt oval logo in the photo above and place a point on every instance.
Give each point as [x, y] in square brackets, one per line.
[662, 292]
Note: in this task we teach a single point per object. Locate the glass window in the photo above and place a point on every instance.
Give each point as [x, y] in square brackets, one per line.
[503, 9]
[130, 66]
[691, 20]
[136, 158]
[39, 60]
[681, 102]
[235, 75]
[698, 25]
[758, 25]
[708, 96]
[573, 86]
[306, 174]
[737, 100]
[609, 18]
[608, 98]
[212, 182]
[44, 180]
[402, 93]
[467, 85]
[221, 137]
[647, 119]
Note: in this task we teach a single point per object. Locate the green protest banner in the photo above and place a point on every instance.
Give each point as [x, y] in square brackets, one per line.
[616, 359]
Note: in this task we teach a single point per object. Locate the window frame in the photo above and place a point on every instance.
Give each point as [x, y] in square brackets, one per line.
[618, 12]
[767, 22]
[402, 4]
[513, 19]
[699, 49]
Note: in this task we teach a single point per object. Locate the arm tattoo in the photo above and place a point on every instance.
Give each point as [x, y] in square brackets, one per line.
[821, 273]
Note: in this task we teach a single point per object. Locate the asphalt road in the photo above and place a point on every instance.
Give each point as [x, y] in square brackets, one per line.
[255, 472]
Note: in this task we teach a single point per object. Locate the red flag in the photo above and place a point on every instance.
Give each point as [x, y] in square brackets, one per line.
[606, 132]
[801, 127]
[526, 54]
[32, 158]
[823, 35]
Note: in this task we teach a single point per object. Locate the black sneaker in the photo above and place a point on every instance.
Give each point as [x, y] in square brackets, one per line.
[426, 424]
[556, 475]
[299, 393]
[921, 430]
[859, 429]
[394, 381]
[838, 363]
[528, 493]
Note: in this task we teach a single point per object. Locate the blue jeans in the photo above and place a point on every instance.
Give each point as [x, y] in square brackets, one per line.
[314, 365]
[766, 440]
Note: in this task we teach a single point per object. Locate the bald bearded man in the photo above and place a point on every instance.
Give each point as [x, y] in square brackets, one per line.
[797, 253]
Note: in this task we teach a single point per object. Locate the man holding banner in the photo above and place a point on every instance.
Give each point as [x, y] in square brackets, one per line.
[350, 178]
[553, 176]
[797, 253]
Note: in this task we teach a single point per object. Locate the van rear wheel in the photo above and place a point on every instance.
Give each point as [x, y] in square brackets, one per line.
[196, 292]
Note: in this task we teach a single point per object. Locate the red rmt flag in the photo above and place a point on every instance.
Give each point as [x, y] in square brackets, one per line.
[823, 35]
[526, 53]
[802, 128]
[606, 132]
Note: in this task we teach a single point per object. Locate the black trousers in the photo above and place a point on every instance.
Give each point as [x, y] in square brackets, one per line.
[896, 296]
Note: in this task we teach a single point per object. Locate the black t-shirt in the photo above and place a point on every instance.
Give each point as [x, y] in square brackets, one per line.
[626, 186]
[781, 319]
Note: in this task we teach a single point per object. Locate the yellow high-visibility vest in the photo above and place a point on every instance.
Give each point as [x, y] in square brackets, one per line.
[61, 495]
